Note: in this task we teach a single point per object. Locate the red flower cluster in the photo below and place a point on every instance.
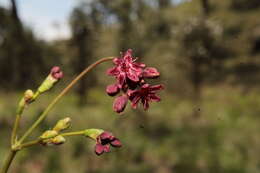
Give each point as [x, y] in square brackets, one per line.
[104, 140]
[130, 79]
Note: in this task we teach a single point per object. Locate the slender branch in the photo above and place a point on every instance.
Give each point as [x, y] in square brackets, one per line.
[16, 126]
[19, 112]
[8, 161]
[29, 144]
[63, 92]
[73, 133]
[37, 141]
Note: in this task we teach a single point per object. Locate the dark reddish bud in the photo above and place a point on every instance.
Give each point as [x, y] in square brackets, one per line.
[120, 103]
[56, 72]
[112, 89]
[150, 72]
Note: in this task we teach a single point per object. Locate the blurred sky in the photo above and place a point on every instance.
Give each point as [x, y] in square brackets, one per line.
[47, 18]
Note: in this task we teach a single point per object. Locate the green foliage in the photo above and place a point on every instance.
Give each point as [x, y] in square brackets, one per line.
[224, 139]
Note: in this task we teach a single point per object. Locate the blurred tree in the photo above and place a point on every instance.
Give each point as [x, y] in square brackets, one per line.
[84, 25]
[205, 6]
[17, 58]
[203, 52]
[245, 4]
[130, 15]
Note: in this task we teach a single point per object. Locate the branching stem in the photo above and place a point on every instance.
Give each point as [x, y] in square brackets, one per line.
[63, 92]
[17, 145]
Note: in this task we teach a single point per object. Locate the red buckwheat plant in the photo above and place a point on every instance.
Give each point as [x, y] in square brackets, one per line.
[130, 81]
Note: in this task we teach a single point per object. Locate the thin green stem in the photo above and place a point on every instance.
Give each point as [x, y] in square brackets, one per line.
[29, 144]
[63, 92]
[73, 133]
[15, 128]
[37, 141]
[8, 161]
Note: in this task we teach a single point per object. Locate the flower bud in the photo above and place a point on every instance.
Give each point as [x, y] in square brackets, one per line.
[112, 90]
[55, 75]
[150, 72]
[120, 103]
[93, 133]
[58, 140]
[62, 124]
[56, 72]
[49, 134]
[28, 96]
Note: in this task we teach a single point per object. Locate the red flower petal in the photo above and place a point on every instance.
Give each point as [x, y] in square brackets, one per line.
[112, 71]
[99, 149]
[106, 148]
[150, 72]
[116, 143]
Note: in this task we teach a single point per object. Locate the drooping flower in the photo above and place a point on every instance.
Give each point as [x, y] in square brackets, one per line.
[145, 94]
[104, 141]
[126, 68]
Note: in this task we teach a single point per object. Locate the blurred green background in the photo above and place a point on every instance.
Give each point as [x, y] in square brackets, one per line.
[208, 53]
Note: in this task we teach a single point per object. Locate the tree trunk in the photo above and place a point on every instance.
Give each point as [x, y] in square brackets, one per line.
[205, 7]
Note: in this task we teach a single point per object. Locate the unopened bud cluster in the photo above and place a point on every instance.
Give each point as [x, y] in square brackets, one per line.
[52, 137]
[29, 96]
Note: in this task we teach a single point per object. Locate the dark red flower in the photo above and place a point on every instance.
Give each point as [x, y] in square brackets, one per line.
[126, 68]
[131, 81]
[146, 94]
[56, 72]
[104, 140]
[120, 103]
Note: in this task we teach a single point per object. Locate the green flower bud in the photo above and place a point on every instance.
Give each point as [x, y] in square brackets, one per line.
[26, 99]
[62, 124]
[49, 134]
[28, 96]
[55, 75]
[93, 133]
[47, 84]
[58, 140]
